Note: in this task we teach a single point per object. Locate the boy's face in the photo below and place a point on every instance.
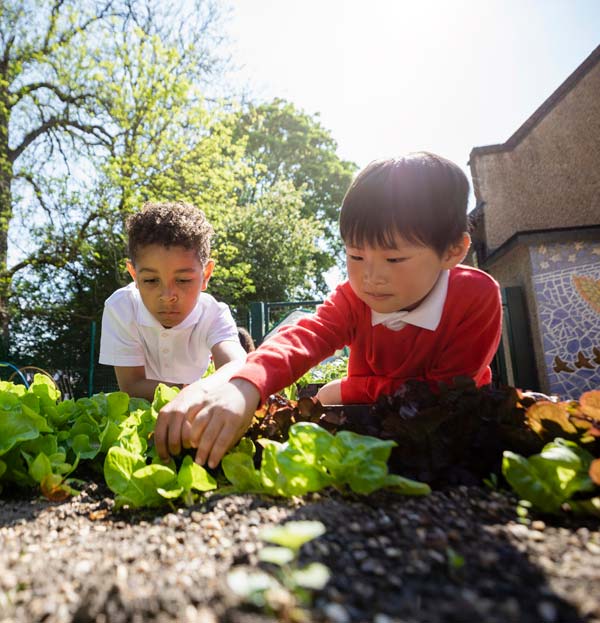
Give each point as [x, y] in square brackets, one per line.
[169, 280]
[390, 280]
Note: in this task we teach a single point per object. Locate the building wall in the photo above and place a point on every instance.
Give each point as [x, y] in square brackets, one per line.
[513, 268]
[551, 179]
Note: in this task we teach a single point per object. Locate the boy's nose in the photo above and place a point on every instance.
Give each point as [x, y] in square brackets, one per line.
[168, 294]
[374, 275]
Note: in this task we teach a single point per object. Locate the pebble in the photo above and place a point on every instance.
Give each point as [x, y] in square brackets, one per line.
[519, 530]
[538, 525]
[547, 611]
[372, 566]
[593, 548]
[336, 613]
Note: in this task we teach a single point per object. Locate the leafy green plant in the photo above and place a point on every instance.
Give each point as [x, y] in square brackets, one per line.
[325, 372]
[554, 478]
[312, 459]
[284, 588]
[43, 441]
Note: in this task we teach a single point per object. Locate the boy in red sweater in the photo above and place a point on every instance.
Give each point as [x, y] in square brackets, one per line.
[407, 311]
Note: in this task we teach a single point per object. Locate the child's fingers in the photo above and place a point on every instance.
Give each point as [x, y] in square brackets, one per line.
[186, 433]
[161, 435]
[209, 435]
[227, 437]
[175, 421]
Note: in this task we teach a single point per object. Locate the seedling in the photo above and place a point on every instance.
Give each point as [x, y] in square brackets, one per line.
[285, 588]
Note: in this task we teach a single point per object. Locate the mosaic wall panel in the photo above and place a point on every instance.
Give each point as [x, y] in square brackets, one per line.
[566, 281]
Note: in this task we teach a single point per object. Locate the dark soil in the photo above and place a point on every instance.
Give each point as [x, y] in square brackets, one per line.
[390, 556]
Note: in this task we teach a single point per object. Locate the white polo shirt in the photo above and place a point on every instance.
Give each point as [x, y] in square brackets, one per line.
[131, 336]
[427, 315]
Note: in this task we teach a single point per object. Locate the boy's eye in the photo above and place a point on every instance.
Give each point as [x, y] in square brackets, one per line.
[184, 280]
[396, 260]
[150, 280]
[355, 258]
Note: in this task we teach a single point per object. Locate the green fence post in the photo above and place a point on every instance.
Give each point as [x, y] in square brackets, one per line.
[257, 321]
[92, 358]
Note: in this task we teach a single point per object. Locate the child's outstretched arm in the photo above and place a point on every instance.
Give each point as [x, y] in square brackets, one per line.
[210, 418]
[132, 380]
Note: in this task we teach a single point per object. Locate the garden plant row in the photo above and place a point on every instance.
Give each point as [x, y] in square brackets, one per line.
[548, 452]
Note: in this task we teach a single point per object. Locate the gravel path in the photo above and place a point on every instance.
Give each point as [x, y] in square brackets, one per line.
[80, 561]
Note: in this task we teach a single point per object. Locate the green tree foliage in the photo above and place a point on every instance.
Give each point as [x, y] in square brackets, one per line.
[140, 128]
[59, 111]
[39, 103]
[267, 250]
[284, 143]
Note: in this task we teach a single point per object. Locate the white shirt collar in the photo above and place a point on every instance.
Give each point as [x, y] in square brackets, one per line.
[146, 319]
[427, 315]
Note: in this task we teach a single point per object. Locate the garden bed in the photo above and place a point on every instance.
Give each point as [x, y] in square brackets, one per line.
[464, 552]
[458, 554]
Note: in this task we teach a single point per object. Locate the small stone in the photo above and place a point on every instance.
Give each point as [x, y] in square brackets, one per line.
[547, 611]
[488, 559]
[171, 520]
[373, 566]
[592, 548]
[518, 530]
[336, 613]
[538, 524]
[511, 609]
[436, 556]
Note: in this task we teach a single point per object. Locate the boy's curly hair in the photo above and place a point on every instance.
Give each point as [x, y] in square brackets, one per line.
[169, 224]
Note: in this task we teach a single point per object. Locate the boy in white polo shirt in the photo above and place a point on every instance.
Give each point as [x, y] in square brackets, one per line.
[164, 327]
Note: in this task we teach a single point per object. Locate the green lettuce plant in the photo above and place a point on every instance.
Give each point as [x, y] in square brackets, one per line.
[313, 459]
[554, 478]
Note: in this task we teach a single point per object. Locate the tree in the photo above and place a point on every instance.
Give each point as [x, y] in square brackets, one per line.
[284, 143]
[271, 192]
[267, 250]
[55, 60]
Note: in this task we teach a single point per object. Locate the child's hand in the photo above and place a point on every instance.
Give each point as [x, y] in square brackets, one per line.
[212, 419]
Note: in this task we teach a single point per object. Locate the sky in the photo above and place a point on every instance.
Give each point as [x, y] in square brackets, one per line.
[391, 76]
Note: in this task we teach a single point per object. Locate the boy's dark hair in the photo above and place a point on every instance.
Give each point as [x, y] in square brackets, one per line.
[169, 224]
[421, 196]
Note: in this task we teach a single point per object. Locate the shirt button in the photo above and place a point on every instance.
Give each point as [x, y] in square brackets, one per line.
[165, 351]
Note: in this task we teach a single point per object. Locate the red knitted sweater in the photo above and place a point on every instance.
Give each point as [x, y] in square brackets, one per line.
[381, 359]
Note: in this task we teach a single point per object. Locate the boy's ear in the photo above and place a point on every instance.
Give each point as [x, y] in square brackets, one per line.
[131, 270]
[208, 270]
[456, 252]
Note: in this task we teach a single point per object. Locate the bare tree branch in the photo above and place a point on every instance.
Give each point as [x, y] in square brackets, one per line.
[58, 257]
[39, 193]
[57, 122]
[67, 98]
